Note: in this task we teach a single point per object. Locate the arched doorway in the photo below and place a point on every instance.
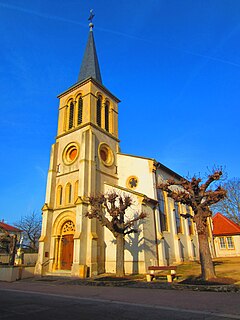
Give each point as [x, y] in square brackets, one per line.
[66, 245]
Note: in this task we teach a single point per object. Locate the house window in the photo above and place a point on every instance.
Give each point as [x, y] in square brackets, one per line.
[107, 116]
[99, 107]
[80, 110]
[162, 211]
[177, 218]
[222, 243]
[71, 114]
[230, 243]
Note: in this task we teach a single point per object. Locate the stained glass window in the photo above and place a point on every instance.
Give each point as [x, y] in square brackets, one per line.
[178, 218]
[162, 211]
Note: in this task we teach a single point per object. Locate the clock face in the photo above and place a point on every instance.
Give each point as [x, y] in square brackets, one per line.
[70, 153]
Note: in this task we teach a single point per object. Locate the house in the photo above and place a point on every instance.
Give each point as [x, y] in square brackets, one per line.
[226, 235]
[7, 230]
[85, 160]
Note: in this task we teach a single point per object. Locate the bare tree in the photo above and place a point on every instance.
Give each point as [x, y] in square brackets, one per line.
[230, 206]
[114, 206]
[199, 197]
[31, 227]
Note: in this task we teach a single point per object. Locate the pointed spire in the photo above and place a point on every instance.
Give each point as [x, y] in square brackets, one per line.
[90, 65]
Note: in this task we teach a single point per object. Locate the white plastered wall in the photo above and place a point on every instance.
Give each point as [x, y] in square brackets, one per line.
[228, 252]
[141, 168]
[140, 247]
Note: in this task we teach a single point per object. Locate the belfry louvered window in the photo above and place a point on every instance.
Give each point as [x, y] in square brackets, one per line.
[99, 107]
[71, 115]
[80, 110]
[107, 116]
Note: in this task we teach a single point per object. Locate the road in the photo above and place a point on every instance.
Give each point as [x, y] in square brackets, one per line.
[37, 300]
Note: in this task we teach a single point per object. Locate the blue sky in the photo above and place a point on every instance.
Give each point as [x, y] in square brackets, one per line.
[174, 64]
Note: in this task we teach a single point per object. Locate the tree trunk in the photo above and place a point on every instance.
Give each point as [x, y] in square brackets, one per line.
[13, 250]
[120, 256]
[207, 266]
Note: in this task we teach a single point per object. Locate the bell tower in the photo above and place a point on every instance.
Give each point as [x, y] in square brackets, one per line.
[82, 159]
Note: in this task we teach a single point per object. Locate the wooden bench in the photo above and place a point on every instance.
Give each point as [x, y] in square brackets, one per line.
[170, 276]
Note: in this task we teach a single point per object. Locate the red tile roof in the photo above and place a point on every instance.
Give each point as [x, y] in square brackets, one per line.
[9, 228]
[224, 226]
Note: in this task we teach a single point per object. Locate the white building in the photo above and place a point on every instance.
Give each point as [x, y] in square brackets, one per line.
[86, 160]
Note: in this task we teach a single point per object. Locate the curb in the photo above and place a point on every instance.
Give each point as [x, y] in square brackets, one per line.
[138, 284]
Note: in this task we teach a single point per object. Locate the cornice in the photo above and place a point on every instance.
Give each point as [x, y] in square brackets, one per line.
[90, 124]
[79, 84]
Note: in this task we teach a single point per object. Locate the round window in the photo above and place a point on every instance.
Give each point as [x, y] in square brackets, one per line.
[132, 182]
[105, 154]
[70, 153]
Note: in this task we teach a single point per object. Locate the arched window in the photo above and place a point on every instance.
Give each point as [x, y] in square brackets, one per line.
[71, 115]
[68, 193]
[162, 211]
[107, 116]
[59, 196]
[99, 107]
[76, 190]
[190, 221]
[177, 218]
[80, 110]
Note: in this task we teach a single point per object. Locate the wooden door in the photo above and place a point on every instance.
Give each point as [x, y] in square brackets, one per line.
[67, 252]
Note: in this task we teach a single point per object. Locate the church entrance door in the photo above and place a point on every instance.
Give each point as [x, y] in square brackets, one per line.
[67, 252]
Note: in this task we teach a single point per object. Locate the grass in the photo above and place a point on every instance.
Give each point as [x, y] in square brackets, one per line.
[224, 267]
[227, 271]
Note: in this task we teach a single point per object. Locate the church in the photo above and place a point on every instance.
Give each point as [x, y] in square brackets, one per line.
[86, 160]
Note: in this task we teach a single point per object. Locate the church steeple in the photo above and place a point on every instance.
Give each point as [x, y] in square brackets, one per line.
[90, 65]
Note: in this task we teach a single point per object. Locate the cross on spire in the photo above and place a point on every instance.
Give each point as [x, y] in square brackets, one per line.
[90, 65]
[91, 19]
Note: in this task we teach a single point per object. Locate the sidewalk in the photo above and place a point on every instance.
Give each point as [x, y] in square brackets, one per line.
[133, 282]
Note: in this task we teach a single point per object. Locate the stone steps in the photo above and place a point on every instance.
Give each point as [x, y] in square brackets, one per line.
[59, 273]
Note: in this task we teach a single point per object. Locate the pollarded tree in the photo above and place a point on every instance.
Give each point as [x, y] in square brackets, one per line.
[110, 211]
[200, 197]
[230, 206]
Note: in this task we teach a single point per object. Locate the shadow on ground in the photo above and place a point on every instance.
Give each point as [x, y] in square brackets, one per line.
[215, 281]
